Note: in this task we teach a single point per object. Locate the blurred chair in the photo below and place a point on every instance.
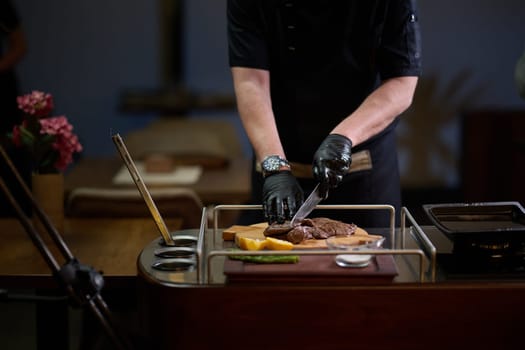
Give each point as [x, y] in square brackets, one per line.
[181, 203]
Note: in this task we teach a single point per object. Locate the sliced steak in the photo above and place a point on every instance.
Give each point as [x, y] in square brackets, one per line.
[316, 228]
[276, 229]
[299, 233]
[323, 228]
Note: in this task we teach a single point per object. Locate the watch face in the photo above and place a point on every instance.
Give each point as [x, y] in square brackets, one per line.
[271, 164]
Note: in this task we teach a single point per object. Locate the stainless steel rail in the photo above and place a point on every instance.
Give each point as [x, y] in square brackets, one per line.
[416, 263]
[428, 247]
[392, 211]
[402, 251]
[416, 252]
[201, 245]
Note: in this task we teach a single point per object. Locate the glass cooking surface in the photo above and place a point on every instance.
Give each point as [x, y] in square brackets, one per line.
[479, 217]
[482, 226]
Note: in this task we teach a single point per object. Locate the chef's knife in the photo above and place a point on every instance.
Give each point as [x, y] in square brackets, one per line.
[306, 208]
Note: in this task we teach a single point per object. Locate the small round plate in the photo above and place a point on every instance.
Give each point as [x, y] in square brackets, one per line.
[353, 260]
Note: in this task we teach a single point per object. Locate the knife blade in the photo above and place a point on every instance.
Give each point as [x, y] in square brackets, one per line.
[308, 205]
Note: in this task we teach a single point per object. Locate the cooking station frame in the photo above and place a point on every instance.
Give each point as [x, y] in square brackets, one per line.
[208, 249]
[427, 248]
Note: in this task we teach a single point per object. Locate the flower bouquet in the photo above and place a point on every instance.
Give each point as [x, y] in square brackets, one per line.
[50, 144]
[49, 140]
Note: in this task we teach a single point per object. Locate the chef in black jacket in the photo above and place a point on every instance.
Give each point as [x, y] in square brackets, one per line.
[12, 50]
[319, 87]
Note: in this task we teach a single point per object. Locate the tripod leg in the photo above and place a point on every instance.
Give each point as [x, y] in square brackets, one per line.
[83, 283]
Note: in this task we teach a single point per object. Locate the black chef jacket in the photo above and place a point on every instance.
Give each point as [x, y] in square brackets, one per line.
[9, 116]
[9, 113]
[324, 59]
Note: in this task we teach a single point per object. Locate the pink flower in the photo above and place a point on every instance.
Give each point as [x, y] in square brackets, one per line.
[66, 143]
[50, 140]
[36, 103]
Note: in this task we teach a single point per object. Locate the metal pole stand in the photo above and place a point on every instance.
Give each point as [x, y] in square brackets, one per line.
[82, 283]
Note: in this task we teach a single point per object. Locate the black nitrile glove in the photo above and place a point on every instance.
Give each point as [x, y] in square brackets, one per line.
[282, 196]
[332, 161]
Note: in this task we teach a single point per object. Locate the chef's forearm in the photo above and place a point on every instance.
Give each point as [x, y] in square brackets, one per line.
[378, 110]
[252, 91]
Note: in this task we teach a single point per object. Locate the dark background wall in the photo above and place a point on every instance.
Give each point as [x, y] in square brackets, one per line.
[86, 53]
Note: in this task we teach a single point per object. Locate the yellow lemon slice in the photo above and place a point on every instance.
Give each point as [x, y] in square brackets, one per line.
[250, 243]
[278, 244]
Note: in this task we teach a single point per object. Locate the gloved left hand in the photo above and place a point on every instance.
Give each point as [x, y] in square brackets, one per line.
[282, 196]
[332, 161]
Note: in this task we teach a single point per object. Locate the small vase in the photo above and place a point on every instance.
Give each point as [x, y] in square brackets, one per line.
[48, 191]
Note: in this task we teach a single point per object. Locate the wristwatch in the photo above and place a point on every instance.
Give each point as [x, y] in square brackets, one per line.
[273, 164]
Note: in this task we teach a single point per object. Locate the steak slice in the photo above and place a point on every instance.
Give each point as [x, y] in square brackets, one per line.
[299, 233]
[276, 229]
[323, 228]
[316, 228]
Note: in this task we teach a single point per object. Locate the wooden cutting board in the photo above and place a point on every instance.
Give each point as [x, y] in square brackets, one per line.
[320, 269]
[256, 231]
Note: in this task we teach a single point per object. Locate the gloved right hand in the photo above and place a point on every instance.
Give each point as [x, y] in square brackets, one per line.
[331, 162]
[282, 196]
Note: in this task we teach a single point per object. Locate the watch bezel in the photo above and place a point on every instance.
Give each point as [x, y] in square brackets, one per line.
[272, 164]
